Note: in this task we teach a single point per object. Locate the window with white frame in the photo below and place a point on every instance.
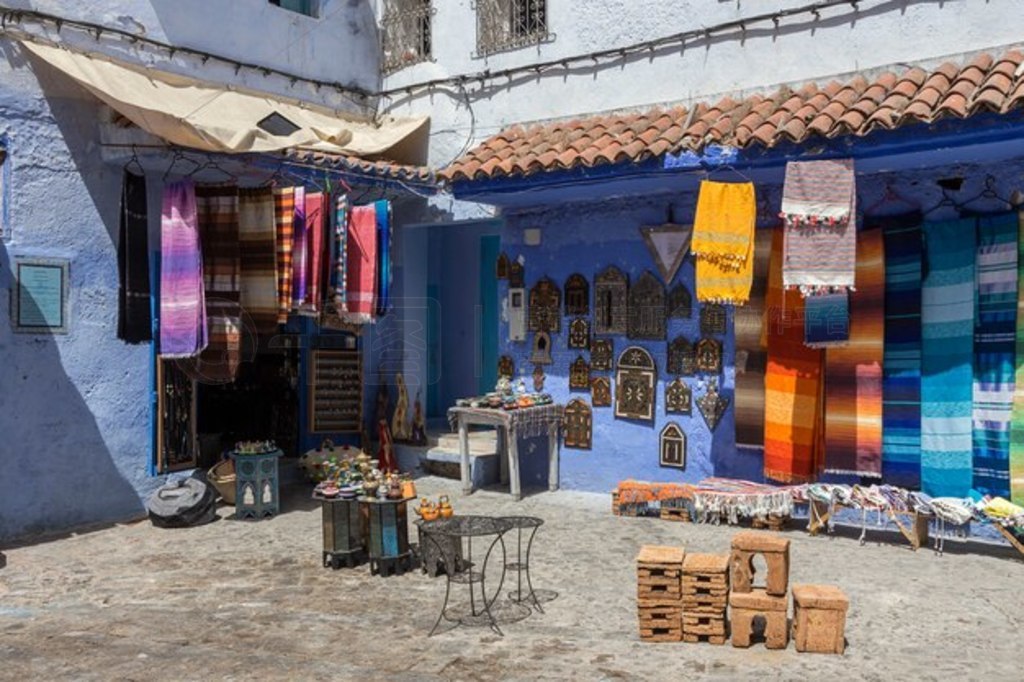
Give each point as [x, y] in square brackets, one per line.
[509, 24]
[405, 33]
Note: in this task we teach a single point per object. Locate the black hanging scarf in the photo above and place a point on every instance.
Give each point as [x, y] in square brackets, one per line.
[134, 322]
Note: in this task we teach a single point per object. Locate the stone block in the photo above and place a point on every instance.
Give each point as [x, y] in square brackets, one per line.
[706, 564]
[774, 549]
[819, 620]
[776, 629]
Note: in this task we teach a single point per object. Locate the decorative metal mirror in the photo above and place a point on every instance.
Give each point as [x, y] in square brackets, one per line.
[579, 333]
[611, 301]
[501, 267]
[680, 302]
[647, 308]
[635, 380]
[577, 295]
[601, 354]
[579, 374]
[673, 446]
[678, 397]
[601, 391]
[541, 354]
[709, 355]
[506, 367]
[577, 424]
[712, 405]
[712, 319]
[516, 276]
[516, 314]
[668, 244]
[538, 378]
[545, 314]
[682, 358]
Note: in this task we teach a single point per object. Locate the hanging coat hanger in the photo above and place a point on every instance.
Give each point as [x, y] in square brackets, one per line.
[891, 196]
[988, 192]
[134, 161]
[946, 201]
[725, 167]
[178, 156]
[212, 164]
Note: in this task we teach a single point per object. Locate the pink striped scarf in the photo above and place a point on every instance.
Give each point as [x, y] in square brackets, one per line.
[361, 246]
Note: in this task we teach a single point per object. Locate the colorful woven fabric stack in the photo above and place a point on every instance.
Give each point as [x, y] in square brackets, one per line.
[901, 367]
[1017, 422]
[947, 335]
[183, 332]
[751, 350]
[792, 394]
[853, 373]
[995, 325]
[723, 241]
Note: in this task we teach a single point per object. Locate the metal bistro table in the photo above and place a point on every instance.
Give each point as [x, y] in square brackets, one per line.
[511, 425]
[488, 531]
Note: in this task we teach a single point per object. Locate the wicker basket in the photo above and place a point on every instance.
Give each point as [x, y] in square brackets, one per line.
[222, 477]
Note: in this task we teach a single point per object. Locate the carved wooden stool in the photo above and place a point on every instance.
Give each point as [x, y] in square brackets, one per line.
[819, 619]
[748, 605]
[775, 550]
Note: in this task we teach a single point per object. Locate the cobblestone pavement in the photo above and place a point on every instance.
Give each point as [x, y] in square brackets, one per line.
[239, 601]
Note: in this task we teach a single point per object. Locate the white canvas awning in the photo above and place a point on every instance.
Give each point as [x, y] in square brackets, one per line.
[211, 117]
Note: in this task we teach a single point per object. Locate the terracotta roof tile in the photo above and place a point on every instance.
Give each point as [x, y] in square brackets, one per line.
[359, 166]
[985, 82]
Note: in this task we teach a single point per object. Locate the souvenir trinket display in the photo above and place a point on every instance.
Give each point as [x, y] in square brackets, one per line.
[611, 301]
[682, 357]
[712, 319]
[668, 245]
[709, 356]
[601, 391]
[579, 374]
[577, 424]
[635, 380]
[579, 333]
[336, 391]
[712, 405]
[545, 311]
[541, 349]
[516, 274]
[577, 295]
[647, 308]
[506, 367]
[501, 266]
[516, 314]
[672, 448]
[678, 397]
[680, 302]
[601, 354]
[538, 379]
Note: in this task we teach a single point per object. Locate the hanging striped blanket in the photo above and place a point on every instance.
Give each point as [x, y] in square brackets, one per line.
[257, 243]
[217, 214]
[315, 215]
[792, 385]
[751, 354]
[1017, 424]
[340, 276]
[901, 369]
[723, 241]
[361, 286]
[284, 219]
[947, 349]
[183, 331]
[300, 268]
[382, 208]
[827, 320]
[995, 325]
[853, 373]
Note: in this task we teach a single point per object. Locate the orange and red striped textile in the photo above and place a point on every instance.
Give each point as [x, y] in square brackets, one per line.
[853, 373]
[792, 385]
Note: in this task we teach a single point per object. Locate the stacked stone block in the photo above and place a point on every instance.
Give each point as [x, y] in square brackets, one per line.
[659, 593]
[770, 602]
[705, 597]
[819, 620]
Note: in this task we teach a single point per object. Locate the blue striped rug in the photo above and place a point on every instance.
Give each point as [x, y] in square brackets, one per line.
[947, 353]
[995, 327]
[901, 367]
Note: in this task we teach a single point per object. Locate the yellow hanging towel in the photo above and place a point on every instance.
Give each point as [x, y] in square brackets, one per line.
[723, 241]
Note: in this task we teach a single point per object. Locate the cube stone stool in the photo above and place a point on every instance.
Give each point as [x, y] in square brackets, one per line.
[819, 619]
[775, 549]
[659, 593]
[748, 605]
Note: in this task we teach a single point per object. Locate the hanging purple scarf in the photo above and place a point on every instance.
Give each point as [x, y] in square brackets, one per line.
[182, 301]
[299, 250]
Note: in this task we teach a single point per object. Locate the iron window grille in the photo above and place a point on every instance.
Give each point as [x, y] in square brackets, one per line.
[503, 25]
[405, 33]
